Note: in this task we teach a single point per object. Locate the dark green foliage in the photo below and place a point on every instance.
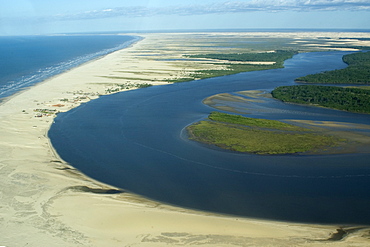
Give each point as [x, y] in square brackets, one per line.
[233, 68]
[186, 79]
[348, 99]
[279, 56]
[143, 85]
[357, 59]
[357, 72]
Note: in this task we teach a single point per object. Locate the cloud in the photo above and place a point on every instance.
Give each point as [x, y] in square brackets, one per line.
[222, 8]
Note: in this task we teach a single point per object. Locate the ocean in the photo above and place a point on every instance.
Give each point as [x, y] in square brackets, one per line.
[27, 60]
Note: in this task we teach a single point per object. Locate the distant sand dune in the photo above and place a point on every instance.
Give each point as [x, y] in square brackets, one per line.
[46, 202]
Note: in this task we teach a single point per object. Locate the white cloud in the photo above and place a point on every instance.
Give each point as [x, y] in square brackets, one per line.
[222, 8]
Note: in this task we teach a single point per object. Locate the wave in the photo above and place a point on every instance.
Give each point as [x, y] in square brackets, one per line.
[42, 74]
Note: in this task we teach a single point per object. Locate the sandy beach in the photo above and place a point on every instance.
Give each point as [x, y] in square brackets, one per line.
[46, 202]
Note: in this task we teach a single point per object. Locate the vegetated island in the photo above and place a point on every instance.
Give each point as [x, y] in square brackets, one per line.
[240, 62]
[357, 72]
[347, 99]
[258, 136]
[262, 136]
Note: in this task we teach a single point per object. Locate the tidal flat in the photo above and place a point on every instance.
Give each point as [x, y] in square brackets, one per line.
[39, 203]
[349, 137]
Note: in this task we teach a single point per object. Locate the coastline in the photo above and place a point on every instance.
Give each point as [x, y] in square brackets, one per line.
[46, 201]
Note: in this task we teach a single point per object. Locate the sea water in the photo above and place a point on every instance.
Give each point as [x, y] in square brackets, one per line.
[27, 60]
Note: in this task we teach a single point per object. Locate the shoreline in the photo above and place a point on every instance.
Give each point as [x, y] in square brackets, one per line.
[62, 67]
[127, 44]
[356, 140]
[46, 201]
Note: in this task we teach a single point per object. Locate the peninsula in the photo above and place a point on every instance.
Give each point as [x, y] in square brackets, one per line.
[47, 202]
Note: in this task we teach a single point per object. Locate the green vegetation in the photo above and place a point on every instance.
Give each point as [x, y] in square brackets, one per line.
[122, 78]
[348, 99]
[184, 79]
[357, 72]
[234, 69]
[259, 136]
[143, 85]
[252, 122]
[230, 63]
[277, 57]
[119, 87]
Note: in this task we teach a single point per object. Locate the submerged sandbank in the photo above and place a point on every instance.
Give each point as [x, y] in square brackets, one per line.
[355, 137]
[45, 201]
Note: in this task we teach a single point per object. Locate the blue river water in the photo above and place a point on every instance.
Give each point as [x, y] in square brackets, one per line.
[26, 60]
[135, 140]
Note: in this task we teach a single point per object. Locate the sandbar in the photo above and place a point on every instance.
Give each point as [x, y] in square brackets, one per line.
[44, 201]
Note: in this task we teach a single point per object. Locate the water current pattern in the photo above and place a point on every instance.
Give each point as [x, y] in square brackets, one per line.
[135, 140]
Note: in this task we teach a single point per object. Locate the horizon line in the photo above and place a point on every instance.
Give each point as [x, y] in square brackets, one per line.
[206, 30]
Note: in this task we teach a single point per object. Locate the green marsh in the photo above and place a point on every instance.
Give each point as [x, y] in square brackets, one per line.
[259, 136]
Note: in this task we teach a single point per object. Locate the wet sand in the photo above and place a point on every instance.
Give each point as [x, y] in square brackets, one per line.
[46, 202]
[355, 137]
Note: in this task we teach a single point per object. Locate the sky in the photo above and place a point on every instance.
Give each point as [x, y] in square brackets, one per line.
[34, 17]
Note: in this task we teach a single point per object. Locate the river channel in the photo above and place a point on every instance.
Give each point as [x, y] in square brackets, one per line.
[135, 140]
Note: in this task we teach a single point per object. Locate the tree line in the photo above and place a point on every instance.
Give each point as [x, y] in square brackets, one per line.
[357, 72]
[348, 99]
[278, 56]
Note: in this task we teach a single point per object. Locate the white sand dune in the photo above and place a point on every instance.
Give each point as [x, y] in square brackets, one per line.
[46, 202]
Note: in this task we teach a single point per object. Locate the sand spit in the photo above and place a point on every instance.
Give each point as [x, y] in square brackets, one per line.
[46, 202]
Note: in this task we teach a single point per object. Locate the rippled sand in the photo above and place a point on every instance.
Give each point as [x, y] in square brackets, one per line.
[46, 202]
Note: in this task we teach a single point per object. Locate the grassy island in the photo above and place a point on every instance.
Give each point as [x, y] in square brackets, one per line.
[259, 136]
[348, 99]
[357, 72]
